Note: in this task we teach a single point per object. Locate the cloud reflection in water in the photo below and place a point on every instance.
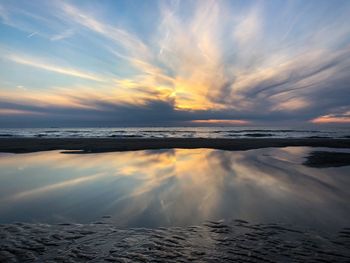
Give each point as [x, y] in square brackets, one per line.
[173, 187]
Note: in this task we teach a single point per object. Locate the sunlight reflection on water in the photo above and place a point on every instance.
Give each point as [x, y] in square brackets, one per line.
[173, 187]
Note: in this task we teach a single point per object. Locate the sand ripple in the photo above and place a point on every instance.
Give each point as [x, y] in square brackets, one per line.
[236, 241]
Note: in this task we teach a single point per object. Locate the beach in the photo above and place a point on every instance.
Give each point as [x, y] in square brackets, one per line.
[100, 145]
[174, 200]
[235, 241]
[95, 145]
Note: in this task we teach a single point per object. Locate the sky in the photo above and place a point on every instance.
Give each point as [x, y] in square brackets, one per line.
[94, 63]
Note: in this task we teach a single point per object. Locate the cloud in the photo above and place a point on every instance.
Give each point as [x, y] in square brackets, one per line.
[128, 41]
[38, 63]
[221, 122]
[4, 15]
[331, 119]
[11, 112]
[204, 61]
[65, 34]
[342, 116]
[32, 34]
[24, 20]
[247, 29]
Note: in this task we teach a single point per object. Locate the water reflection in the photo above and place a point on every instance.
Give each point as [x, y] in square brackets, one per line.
[173, 187]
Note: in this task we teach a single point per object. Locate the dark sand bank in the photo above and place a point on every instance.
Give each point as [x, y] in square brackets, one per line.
[235, 241]
[88, 145]
[323, 159]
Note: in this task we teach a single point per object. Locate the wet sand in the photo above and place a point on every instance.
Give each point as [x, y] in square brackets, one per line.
[323, 159]
[235, 241]
[230, 241]
[91, 145]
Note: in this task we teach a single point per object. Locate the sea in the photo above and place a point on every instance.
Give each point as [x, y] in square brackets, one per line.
[175, 132]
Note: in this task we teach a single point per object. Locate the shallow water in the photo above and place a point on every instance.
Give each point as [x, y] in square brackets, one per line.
[175, 187]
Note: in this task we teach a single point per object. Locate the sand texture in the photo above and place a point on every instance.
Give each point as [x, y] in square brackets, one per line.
[235, 241]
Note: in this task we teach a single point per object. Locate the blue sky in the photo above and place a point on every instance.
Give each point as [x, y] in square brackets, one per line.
[121, 63]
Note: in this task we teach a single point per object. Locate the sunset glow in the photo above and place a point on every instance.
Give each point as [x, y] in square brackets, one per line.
[237, 122]
[331, 119]
[173, 62]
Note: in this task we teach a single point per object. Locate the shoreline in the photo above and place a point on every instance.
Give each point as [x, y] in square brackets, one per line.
[97, 145]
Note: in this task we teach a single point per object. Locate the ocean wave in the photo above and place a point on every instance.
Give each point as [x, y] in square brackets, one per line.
[180, 132]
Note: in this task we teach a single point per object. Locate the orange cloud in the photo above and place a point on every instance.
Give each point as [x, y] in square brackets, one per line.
[331, 119]
[18, 112]
[213, 60]
[218, 121]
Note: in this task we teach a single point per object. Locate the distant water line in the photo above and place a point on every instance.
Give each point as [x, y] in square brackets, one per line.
[172, 132]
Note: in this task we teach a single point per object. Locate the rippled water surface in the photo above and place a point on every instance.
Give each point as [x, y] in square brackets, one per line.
[170, 132]
[173, 187]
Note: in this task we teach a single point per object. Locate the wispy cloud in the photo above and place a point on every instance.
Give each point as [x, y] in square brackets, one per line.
[128, 41]
[65, 34]
[32, 34]
[342, 116]
[4, 15]
[11, 112]
[206, 61]
[331, 119]
[53, 67]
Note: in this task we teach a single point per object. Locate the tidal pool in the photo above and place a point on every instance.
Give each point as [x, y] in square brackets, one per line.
[177, 187]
